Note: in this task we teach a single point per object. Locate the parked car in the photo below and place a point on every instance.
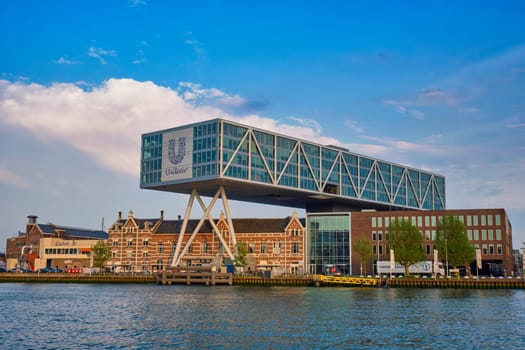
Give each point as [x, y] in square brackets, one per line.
[3, 269]
[50, 270]
[19, 270]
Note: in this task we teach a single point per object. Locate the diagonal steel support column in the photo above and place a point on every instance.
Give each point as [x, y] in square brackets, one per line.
[194, 194]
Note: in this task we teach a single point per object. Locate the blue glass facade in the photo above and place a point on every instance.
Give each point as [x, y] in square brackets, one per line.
[328, 246]
[224, 150]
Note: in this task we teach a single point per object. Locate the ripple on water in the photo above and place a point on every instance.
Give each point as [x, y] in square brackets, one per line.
[71, 316]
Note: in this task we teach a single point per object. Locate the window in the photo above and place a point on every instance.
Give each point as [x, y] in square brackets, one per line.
[374, 235]
[251, 248]
[476, 235]
[129, 253]
[374, 222]
[264, 248]
[469, 220]
[419, 221]
[484, 249]
[433, 221]
[469, 234]
[380, 222]
[144, 254]
[380, 235]
[204, 247]
[160, 248]
[498, 235]
[427, 235]
[277, 248]
[491, 248]
[146, 243]
[427, 220]
[498, 220]
[484, 235]
[489, 220]
[475, 217]
[500, 249]
[190, 249]
[483, 220]
[295, 248]
[491, 235]
[115, 243]
[130, 242]
[428, 249]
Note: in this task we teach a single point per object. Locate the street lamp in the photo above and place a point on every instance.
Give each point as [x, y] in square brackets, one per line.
[446, 254]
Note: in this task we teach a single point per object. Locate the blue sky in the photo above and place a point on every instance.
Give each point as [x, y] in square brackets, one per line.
[435, 85]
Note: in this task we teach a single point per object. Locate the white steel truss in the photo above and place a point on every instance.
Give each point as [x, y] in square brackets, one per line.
[182, 248]
[402, 186]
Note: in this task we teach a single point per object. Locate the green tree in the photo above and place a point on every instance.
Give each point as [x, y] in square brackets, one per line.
[407, 243]
[101, 253]
[452, 242]
[240, 257]
[363, 246]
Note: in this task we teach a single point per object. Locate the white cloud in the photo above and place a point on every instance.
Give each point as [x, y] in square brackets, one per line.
[63, 60]
[414, 113]
[11, 178]
[426, 97]
[105, 123]
[115, 113]
[353, 125]
[101, 54]
[140, 60]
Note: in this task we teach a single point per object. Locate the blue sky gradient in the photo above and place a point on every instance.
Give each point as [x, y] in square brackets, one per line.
[435, 85]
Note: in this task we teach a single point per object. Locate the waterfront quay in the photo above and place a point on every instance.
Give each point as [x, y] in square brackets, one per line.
[212, 278]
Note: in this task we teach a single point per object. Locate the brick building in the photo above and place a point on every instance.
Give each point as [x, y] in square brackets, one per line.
[149, 244]
[487, 229]
[49, 245]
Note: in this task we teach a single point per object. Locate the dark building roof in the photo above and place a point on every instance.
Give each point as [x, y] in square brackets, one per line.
[245, 225]
[72, 232]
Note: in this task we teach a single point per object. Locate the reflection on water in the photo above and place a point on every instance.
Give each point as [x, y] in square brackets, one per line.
[85, 316]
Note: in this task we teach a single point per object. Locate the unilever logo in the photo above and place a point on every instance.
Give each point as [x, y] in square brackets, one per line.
[176, 150]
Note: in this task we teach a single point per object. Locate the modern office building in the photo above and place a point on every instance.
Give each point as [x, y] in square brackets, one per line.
[487, 229]
[223, 159]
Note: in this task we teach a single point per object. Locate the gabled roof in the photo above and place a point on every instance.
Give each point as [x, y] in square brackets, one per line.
[245, 225]
[73, 232]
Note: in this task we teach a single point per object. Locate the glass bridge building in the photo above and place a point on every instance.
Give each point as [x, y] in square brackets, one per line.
[260, 166]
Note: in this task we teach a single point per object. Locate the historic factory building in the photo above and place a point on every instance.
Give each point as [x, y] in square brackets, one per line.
[139, 245]
[49, 245]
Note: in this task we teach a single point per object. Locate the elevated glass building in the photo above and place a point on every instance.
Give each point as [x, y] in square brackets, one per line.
[264, 167]
[260, 166]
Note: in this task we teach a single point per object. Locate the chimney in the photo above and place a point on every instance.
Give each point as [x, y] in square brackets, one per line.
[120, 215]
[162, 214]
[31, 219]
[179, 217]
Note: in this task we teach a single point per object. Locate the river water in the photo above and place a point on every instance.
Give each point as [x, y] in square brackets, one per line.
[110, 316]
